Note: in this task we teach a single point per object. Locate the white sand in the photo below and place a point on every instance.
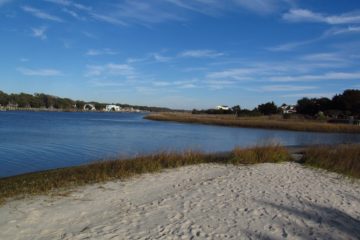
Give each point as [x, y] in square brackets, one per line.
[266, 201]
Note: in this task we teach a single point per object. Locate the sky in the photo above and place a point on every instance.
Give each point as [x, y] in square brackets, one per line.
[181, 54]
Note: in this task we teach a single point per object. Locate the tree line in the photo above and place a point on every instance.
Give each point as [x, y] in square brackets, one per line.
[340, 106]
[45, 101]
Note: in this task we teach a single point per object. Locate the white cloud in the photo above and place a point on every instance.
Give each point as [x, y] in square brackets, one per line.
[73, 14]
[309, 95]
[324, 57]
[160, 58]
[237, 74]
[338, 31]
[285, 88]
[41, 14]
[319, 77]
[305, 15]
[108, 19]
[97, 52]
[201, 53]
[216, 7]
[329, 33]
[39, 32]
[43, 72]
[111, 69]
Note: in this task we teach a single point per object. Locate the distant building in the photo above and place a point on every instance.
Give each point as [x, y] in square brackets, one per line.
[112, 108]
[89, 107]
[222, 107]
[287, 109]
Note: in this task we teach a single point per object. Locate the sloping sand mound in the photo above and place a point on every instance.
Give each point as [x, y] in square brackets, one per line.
[266, 201]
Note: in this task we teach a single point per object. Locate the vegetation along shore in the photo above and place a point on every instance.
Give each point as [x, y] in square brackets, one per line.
[344, 159]
[268, 122]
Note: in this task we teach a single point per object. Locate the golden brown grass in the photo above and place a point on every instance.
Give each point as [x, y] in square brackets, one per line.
[47, 181]
[274, 122]
[344, 159]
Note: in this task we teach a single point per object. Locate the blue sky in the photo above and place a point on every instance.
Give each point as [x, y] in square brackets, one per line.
[180, 53]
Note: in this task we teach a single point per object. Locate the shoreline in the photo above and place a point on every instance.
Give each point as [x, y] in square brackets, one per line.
[255, 122]
[342, 159]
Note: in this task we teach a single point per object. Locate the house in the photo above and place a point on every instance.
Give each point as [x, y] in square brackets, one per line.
[89, 107]
[222, 107]
[112, 108]
[288, 109]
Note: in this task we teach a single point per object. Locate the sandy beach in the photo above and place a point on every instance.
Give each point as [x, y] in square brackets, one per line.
[208, 201]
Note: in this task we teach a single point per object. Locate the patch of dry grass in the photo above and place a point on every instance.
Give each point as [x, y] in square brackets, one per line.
[47, 181]
[256, 122]
[344, 159]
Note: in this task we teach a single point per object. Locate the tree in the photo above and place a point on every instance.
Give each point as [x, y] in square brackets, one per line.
[349, 100]
[236, 109]
[268, 108]
[4, 99]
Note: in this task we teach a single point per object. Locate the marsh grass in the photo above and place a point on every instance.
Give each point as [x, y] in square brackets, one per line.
[274, 122]
[65, 178]
[343, 159]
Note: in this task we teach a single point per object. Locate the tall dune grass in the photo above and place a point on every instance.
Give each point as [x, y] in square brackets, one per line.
[256, 122]
[46, 181]
[344, 159]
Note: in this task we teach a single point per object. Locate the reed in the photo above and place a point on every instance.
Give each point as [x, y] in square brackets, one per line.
[47, 181]
[344, 159]
[256, 122]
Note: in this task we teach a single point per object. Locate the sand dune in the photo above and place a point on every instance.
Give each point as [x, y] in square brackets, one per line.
[265, 201]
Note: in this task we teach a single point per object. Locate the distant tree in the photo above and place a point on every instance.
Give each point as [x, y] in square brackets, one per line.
[268, 108]
[236, 109]
[312, 106]
[348, 101]
[4, 99]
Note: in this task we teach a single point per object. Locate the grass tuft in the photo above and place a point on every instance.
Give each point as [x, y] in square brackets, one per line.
[344, 159]
[47, 181]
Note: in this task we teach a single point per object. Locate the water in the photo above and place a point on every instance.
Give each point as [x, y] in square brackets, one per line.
[33, 141]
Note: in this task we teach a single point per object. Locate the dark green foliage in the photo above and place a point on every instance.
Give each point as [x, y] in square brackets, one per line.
[41, 100]
[268, 108]
[345, 104]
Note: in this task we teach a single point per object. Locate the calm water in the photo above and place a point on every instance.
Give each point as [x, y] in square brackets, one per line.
[32, 141]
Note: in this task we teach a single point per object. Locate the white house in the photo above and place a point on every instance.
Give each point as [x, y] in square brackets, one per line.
[89, 107]
[112, 108]
[288, 109]
[222, 107]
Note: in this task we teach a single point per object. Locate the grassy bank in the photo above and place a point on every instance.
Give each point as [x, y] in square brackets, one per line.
[256, 122]
[44, 182]
[343, 159]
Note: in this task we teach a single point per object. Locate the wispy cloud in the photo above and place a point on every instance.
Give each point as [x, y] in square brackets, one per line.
[97, 52]
[42, 72]
[201, 53]
[160, 58]
[318, 77]
[285, 88]
[216, 7]
[327, 34]
[108, 19]
[309, 95]
[74, 14]
[39, 32]
[305, 15]
[3, 2]
[111, 69]
[41, 14]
